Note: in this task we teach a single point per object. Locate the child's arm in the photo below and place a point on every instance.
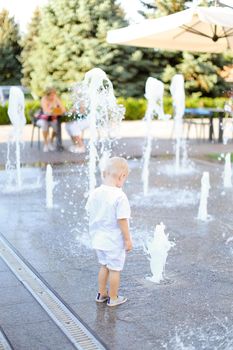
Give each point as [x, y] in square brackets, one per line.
[124, 226]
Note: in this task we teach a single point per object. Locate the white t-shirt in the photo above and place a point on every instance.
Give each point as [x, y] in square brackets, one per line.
[105, 206]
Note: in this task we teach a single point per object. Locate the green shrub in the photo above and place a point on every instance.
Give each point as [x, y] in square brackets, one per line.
[167, 104]
[4, 119]
[135, 107]
[30, 108]
[208, 102]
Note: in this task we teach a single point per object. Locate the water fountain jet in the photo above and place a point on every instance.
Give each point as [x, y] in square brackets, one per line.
[18, 120]
[158, 250]
[205, 187]
[49, 186]
[154, 94]
[227, 182]
[104, 114]
[178, 100]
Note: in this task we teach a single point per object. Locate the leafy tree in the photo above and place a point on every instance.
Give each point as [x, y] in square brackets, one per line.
[201, 71]
[10, 67]
[165, 61]
[163, 8]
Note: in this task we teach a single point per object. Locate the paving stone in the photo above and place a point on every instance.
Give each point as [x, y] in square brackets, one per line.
[14, 295]
[195, 304]
[24, 313]
[7, 279]
[37, 336]
[3, 267]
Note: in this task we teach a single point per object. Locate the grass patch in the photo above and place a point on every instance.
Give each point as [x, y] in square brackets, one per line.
[218, 157]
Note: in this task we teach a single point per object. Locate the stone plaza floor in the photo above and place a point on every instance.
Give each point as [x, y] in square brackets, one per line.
[192, 309]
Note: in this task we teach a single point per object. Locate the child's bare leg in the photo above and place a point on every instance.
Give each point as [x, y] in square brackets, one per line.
[46, 136]
[102, 280]
[54, 134]
[114, 282]
[77, 140]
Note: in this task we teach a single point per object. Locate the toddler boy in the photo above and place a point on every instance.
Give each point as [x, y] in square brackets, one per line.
[109, 212]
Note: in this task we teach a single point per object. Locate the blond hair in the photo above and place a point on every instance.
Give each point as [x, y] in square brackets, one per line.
[49, 91]
[116, 166]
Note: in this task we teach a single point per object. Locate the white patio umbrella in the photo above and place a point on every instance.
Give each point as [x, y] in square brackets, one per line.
[200, 29]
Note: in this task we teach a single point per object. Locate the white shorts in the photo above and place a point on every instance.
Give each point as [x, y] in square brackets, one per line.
[112, 259]
[76, 127]
[45, 124]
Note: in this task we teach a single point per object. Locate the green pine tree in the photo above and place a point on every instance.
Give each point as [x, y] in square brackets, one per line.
[10, 67]
[72, 40]
[29, 44]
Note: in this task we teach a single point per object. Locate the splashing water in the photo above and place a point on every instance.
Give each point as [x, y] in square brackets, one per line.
[146, 154]
[205, 187]
[167, 168]
[154, 94]
[49, 186]
[104, 114]
[103, 161]
[227, 127]
[227, 172]
[185, 163]
[178, 100]
[165, 198]
[18, 120]
[158, 250]
[215, 335]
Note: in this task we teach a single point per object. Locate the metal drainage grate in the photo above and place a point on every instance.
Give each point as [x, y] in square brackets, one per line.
[76, 332]
[4, 345]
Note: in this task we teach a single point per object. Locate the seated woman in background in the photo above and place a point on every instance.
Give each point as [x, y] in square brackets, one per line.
[52, 108]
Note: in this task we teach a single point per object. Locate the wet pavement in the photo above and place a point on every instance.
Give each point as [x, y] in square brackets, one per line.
[191, 310]
[125, 146]
[25, 323]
